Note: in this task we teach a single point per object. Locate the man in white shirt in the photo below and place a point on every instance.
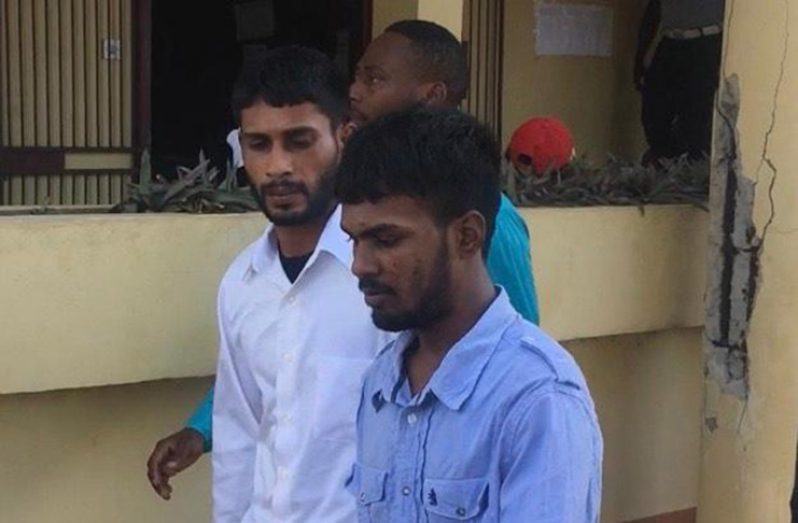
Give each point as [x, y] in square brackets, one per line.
[296, 335]
[235, 148]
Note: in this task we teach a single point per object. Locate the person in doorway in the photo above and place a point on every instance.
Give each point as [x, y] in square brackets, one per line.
[678, 86]
[473, 413]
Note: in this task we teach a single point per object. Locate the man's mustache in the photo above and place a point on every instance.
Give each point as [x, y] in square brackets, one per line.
[282, 185]
[372, 286]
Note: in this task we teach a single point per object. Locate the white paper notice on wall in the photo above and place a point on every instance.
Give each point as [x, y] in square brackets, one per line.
[573, 30]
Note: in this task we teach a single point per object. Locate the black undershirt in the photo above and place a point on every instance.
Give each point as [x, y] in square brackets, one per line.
[294, 265]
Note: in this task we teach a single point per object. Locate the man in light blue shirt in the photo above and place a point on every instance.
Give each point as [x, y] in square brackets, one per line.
[417, 62]
[473, 413]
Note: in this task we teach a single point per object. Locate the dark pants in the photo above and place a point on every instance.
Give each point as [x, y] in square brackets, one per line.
[678, 96]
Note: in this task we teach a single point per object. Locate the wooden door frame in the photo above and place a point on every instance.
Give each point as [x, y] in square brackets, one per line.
[142, 76]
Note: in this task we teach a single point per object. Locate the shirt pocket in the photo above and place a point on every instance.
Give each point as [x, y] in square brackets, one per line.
[338, 382]
[367, 485]
[447, 500]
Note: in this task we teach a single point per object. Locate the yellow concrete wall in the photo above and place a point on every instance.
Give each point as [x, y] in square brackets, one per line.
[593, 96]
[602, 271]
[448, 13]
[105, 299]
[648, 391]
[79, 455]
[112, 299]
[749, 460]
[386, 12]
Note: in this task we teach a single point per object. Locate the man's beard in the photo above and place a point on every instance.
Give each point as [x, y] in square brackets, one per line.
[318, 204]
[434, 304]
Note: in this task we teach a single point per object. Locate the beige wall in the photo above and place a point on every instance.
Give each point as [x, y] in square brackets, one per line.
[593, 96]
[749, 460]
[648, 391]
[595, 266]
[386, 12]
[105, 300]
[448, 13]
[131, 298]
[79, 455]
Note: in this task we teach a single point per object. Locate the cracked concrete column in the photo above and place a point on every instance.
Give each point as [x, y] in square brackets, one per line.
[751, 393]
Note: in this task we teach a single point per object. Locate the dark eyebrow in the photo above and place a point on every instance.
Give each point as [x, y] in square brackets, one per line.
[259, 136]
[378, 229]
[374, 69]
[295, 132]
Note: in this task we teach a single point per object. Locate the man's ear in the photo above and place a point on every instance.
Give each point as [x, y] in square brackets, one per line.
[342, 134]
[434, 94]
[470, 233]
[347, 130]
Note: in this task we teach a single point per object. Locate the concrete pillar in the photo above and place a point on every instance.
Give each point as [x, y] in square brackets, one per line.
[751, 418]
[448, 13]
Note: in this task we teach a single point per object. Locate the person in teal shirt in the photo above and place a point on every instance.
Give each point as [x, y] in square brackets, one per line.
[510, 261]
[412, 62]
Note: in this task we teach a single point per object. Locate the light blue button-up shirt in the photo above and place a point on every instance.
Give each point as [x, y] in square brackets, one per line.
[505, 430]
[509, 265]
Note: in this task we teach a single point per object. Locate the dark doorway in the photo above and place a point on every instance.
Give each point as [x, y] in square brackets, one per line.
[198, 47]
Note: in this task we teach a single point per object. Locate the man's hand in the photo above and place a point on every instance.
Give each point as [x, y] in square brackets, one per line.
[171, 456]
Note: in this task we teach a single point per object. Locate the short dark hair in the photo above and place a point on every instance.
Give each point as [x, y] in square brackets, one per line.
[292, 75]
[438, 53]
[445, 157]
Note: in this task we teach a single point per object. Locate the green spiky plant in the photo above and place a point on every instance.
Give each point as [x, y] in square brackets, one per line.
[195, 190]
[618, 182]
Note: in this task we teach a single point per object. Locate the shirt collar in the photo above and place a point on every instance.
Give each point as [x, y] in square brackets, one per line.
[333, 240]
[457, 376]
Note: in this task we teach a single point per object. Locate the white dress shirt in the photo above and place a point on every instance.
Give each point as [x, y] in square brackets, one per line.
[235, 148]
[291, 362]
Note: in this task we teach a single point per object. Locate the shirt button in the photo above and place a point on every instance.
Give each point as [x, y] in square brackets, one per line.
[461, 511]
[288, 419]
[287, 357]
[282, 472]
[412, 419]
[362, 497]
[406, 491]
